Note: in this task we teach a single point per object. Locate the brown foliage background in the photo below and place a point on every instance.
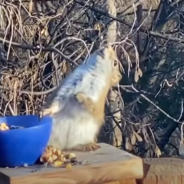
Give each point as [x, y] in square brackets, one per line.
[42, 41]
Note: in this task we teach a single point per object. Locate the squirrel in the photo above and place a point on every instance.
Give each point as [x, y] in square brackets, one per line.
[78, 104]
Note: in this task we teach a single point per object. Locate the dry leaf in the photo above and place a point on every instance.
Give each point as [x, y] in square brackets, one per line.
[30, 6]
[145, 135]
[128, 146]
[136, 77]
[44, 32]
[157, 151]
[181, 148]
[139, 138]
[133, 139]
[97, 27]
[139, 72]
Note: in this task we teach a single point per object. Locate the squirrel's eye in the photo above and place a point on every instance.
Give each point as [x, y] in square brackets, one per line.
[115, 63]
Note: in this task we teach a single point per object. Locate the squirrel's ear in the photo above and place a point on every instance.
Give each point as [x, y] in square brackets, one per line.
[108, 49]
[110, 53]
[107, 53]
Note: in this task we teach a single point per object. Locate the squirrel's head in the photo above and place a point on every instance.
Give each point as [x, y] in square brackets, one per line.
[108, 60]
[110, 55]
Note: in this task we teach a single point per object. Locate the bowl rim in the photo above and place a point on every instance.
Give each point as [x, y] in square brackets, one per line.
[31, 127]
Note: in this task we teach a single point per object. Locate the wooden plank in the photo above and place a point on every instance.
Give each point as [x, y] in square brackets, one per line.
[107, 164]
[163, 171]
[159, 171]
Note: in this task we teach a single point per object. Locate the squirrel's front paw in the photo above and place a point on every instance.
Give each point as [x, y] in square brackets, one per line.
[54, 108]
[85, 100]
[81, 97]
[45, 112]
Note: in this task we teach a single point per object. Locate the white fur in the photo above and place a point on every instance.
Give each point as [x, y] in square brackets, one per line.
[66, 133]
[93, 76]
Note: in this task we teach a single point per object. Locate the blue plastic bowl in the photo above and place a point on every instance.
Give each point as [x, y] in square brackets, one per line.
[23, 146]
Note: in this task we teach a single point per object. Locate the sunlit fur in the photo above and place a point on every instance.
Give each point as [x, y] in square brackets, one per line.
[74, 125]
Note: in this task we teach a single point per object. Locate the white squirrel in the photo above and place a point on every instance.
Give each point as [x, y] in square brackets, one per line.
[78, 104]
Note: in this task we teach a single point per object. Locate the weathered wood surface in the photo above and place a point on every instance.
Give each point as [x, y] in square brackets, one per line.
[164, 171]
[160, 171]
[107, 164]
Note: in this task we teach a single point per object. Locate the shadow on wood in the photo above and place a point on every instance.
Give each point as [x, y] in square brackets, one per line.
[146, 168]
[134, 181]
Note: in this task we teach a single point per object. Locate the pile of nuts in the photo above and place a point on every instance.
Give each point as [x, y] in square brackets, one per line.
[4, 126]
[55, 157]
